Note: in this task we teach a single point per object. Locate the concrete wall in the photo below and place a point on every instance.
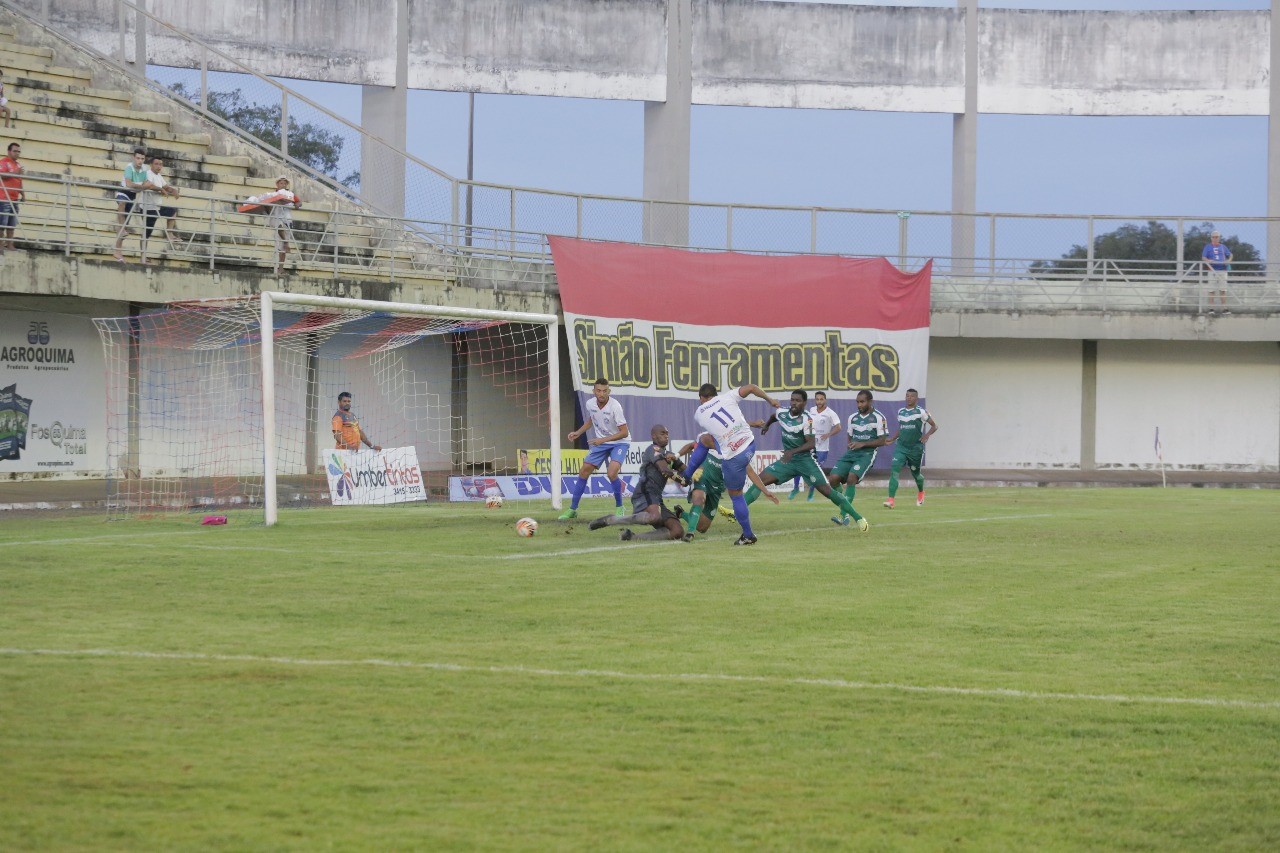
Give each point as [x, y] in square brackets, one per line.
[1005, 403]
[745, 52]
[1017, 404]
[1217, 404]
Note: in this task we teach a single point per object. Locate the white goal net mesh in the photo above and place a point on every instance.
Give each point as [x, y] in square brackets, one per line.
[185, 399]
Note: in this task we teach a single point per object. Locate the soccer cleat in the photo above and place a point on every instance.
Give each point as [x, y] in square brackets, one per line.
[842, 520]
[744, 539]
[620, 512]
[727, 513]
[889, 503]
[597, 523]
[688, 537]
[680, 512]
[810, 498]
[794, 493]
[626, 535]
[919, 498]
[568, 514]
[863, 525]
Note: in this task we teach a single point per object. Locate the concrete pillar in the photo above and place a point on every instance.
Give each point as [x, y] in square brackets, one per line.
[1089, 406]
[384, 112]
[1273, 151]
[667, 133]
[964, 150]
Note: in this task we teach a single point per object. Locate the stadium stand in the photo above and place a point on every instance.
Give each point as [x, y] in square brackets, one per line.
[78, 134]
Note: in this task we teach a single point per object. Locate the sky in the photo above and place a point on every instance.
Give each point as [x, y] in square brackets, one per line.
[1135, 166]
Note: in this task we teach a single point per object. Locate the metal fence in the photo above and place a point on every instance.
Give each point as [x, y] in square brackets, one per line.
[209, 232]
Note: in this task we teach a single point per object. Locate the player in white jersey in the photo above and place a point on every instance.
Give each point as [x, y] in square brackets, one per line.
[826, 424]
[608, 441]
[721, 416]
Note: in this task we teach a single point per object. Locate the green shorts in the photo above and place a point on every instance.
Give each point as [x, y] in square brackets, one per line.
[858, 461]
[803, 466]
[912, 457]
[712, 487]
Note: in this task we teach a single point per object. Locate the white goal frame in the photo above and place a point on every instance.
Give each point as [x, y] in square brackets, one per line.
[267, 319]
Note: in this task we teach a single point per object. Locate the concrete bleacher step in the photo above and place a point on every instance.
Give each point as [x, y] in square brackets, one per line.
[84, 94]
[7, 32]
[34, 99]
[111, 130]
[14, 49]
[101, 171]
[34, 67]
[68, 141]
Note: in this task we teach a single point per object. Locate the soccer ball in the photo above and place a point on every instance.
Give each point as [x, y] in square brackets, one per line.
[493, 501]
[526, 527]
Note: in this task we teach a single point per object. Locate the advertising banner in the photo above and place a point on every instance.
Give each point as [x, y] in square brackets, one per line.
[657, 323]
[368, 477]
[52, 397]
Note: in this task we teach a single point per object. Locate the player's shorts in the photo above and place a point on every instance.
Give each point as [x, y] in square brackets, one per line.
[711, 486]
[913, 458]
[641, 502]
[735, 469]
[858, 461]
[601, 453]
[8, 214]
[162, 213]
[821, 456]
[803, 466]
[126, 196]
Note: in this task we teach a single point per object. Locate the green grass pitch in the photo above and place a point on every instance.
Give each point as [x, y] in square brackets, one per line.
[1011, 668]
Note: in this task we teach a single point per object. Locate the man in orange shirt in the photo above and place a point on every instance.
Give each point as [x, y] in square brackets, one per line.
[346, 429]
[10, 194]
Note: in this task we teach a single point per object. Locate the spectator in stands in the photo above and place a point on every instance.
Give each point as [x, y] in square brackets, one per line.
[4, 105]
[1217, 260]
[10, 193]
[282, 220]
[134, 180]
[153, 207]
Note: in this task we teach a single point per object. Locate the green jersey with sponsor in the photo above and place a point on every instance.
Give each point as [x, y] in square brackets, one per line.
[796, 429]
[911, 427]
[867, 427]
[710, 475]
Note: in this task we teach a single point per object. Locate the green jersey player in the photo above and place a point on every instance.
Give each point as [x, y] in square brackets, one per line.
[911, 438]
[867, 430]
[798, 459]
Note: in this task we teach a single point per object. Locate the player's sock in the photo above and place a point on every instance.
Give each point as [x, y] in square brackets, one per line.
[654, 535]
[811, 491]
[578, 488]
[699, 453]
[795, 489]
[692, 517]
[893, 482]
[616, 485]
[845, 507]
[743, 514]
[752, 494]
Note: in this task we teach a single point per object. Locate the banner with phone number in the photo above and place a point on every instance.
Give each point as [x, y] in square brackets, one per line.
[368, 477]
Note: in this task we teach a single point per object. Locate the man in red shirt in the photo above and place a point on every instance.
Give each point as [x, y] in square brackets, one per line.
[10, 194]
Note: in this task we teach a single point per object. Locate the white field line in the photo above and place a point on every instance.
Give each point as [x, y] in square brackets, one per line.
[605, 674]
[852, 531]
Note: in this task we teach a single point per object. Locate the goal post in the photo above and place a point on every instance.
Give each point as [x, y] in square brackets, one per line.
[222, 403]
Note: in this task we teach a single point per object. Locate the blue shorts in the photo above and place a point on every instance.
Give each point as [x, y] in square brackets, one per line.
[8, 214]
[735, 469]
[601, 453]
[822, 456]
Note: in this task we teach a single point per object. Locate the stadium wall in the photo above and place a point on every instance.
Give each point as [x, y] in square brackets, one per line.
[1006, 403]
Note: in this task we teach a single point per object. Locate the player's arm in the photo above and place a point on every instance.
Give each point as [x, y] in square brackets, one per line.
[754, 476]
[763, 426]
[336, 423]
[754, 391]
[369, 442]
[573, 436]
[687, 449]
[933, 427]
[665, 467]
[623, 432]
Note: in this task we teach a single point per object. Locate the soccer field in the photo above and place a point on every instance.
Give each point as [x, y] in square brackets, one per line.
[1004, 668]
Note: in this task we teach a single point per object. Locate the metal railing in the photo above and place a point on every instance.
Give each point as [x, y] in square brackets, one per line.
[80, 218]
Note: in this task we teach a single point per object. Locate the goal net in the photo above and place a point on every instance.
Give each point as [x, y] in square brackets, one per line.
[206, 410]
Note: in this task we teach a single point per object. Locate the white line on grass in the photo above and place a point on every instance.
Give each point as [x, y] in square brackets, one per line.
[837, 683]
[568, 552]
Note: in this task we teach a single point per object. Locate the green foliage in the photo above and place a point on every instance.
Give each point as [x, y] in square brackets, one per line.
[820, 690]
[319, 148]
[1152, 248]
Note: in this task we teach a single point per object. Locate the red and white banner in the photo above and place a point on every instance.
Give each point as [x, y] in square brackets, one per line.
[658, 323]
